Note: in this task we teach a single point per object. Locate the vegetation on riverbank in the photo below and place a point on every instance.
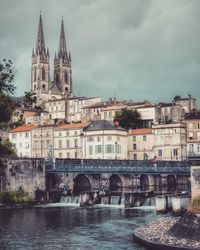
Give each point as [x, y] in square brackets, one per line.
[14, 197]
[195, 205]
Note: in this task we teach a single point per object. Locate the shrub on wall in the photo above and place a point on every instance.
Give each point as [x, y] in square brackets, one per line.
[12, 197]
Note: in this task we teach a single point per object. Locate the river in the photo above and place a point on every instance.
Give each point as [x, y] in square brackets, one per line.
[71, 228]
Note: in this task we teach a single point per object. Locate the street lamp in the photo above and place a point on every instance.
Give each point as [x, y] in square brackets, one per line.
[116, 150]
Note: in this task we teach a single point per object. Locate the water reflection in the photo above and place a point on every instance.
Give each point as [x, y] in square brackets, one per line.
[70, 228]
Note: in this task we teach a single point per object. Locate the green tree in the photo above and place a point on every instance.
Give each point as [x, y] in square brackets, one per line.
[128, 118]
[7, 149]
[6, 77]
[29, 99]
[7, 88]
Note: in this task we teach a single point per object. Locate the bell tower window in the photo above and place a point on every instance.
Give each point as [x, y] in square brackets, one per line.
[35, 75]
[43, 74]
[65, 77]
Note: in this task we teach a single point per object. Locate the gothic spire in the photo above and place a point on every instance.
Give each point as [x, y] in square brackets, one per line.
[62, 50]
[40, 45]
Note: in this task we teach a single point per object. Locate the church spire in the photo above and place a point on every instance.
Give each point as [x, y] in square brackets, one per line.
[62, 50]
[40, 45]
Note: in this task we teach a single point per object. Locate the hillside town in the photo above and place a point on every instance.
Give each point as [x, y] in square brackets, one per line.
[61, 125]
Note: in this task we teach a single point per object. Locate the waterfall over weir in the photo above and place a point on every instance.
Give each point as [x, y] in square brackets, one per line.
[112, 201]
[70, 200]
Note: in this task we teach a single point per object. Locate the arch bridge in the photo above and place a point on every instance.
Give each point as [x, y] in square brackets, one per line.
[81, 175]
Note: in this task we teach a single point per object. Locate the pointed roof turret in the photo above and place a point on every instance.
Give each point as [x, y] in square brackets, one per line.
[40, 45]
[62, 50]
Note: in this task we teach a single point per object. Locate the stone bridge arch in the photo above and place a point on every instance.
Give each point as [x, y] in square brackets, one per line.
[144, 182]
[119, 182]
[81, 184]
[171, 183]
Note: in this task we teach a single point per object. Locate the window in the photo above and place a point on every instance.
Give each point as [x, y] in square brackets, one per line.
[134, 146]
[198, 148]
[60, 155]
[105, 115]
[67, 133]
[135, 157]
[175, 152]
[14, 136]
[144, 138]
[67, 143]
[75, 133]
[109, 138]
[117, 149]
[109, 148]
[75, 143]
[159, 152]
[66, 78]
[60, 144]
[134, 138]
[98, 138]
[191, 148]
[90, 149]
[90, 138]
[98, 149]
[43, 74]
[20, 145]
[35, 76]
[110, 114]
[67, 154]
[60, 134]
[198, 125]
[26, 135]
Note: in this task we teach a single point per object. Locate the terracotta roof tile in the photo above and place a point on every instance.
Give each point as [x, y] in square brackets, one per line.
[23, 128]
[73, 126]
[141, 131]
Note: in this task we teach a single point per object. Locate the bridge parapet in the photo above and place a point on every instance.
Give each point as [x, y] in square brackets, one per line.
[92, 166]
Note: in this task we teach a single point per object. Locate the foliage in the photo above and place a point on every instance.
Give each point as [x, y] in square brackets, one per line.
[6, 89]
[6, 149]
[6, 77]
[195, 205]
[12, 197]
[177, 97]
[6, 107]
[29, 99]
[128, 118]
[10, 125]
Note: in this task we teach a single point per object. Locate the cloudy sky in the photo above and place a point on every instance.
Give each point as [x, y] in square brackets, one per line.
[131, 49]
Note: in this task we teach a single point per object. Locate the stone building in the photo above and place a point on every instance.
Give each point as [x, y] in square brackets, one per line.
[68, 140]
[102, 140]
[170, 141]
[41, 84]
[192, 121]
[42, 141]
[140, 144]
[21, 138]
[187, 104]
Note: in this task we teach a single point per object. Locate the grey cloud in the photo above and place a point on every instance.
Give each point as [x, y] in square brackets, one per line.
[132, 49]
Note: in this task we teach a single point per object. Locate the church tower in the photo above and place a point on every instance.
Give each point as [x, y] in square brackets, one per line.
[40, 70]
[62, 66]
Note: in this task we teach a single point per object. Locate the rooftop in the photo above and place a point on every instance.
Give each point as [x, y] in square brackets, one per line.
[23, 128]
[102, 125]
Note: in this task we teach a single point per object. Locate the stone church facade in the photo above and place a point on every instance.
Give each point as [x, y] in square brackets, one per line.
[41, 84]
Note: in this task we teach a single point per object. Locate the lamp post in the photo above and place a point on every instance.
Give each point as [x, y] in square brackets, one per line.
[116, 150]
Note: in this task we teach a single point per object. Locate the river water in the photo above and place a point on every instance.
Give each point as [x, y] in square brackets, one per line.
[71, 228]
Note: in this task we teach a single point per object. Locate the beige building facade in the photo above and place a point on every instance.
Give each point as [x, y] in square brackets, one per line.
[140, 144]
[170, 142]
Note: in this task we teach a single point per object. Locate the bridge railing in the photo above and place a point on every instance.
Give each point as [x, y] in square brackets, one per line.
[115, 166]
